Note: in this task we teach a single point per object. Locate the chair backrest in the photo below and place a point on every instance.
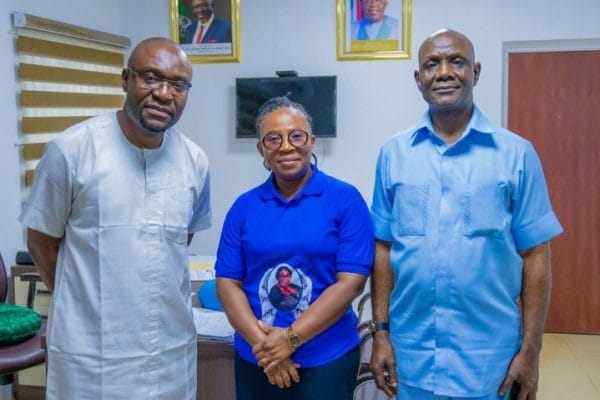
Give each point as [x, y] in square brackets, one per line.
[364, 308]
[366, 389]
[3, 281]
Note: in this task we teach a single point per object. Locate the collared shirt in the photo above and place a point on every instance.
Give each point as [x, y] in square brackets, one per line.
[373, 29]
[456, 217]
[325, 229]
[202, 27]
[120, 324]
[386, 29]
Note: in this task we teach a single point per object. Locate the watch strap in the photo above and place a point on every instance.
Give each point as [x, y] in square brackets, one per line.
[379, 326]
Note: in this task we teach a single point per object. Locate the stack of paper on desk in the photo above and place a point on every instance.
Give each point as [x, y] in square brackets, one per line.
[202, 267]
[212, 325]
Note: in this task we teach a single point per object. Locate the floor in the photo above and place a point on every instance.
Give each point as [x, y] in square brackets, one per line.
[570, 367]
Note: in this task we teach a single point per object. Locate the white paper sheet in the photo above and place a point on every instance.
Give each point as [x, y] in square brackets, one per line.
[212, 325]
[202, 267]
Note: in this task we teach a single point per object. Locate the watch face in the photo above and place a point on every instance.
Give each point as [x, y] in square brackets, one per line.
[372, 326]
[294, 340]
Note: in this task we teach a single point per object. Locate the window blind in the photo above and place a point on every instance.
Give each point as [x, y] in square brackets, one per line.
[66, 74]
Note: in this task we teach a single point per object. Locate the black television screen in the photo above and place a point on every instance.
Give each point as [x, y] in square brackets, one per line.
[316, 93]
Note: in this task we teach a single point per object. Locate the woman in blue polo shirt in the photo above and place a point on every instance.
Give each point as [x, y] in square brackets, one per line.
[294, 252]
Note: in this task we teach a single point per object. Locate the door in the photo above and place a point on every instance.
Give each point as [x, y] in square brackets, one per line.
[554, 101]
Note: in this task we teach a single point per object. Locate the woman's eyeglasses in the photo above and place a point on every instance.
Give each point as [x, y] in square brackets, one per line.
[273, 141]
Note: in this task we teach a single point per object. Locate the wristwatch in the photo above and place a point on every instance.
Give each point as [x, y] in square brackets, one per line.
[293, 340]
[375, 326]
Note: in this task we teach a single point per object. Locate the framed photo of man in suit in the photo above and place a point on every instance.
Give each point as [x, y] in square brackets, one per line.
[207, 30]
[373, 29]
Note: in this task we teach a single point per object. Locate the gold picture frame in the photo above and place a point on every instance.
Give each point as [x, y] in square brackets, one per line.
[221, 41]
[360, 39]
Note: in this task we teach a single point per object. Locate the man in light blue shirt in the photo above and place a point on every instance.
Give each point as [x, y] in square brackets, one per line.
[462, 217]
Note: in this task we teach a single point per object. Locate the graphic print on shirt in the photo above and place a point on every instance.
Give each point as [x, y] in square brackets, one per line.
[286, 289]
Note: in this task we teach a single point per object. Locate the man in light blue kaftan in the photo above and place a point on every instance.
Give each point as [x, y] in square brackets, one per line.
[462, 219]
[114, 204]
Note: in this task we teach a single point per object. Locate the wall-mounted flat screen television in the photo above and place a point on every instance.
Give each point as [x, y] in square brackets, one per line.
[318, 95]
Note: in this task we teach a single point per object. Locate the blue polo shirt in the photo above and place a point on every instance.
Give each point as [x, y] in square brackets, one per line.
[323, 230]
[457, 216]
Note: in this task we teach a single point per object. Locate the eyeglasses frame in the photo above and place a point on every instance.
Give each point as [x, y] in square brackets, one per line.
[307, 135]
[171, 84]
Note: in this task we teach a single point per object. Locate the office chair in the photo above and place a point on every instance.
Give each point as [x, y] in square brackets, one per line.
[19, 356]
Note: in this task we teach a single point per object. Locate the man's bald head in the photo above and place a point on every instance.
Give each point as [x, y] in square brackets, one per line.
[442, 33]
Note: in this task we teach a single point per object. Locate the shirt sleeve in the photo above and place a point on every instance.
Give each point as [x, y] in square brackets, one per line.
[356, 238]
[533, 222]
[230, 261]
[383, 200]
[49, 203]
[202, 215]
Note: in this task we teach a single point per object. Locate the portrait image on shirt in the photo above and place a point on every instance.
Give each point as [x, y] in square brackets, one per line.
[284, 288]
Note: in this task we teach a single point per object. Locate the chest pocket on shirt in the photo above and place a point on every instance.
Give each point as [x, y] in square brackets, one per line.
[177, 214]
[485, 210]
[410, 210]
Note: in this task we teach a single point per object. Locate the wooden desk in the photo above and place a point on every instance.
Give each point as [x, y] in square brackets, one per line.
[216, 378]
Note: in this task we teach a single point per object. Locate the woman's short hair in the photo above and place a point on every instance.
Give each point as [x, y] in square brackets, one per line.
[275, 103]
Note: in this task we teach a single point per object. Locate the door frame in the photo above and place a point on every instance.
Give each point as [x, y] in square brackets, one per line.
[527, 46]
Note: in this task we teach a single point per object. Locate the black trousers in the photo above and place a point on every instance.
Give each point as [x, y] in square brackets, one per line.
[333, 381]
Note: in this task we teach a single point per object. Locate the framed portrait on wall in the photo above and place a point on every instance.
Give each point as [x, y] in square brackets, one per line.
[373, 29]
[207, 30]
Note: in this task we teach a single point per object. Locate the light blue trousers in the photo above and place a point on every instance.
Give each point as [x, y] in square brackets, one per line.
[406, 392]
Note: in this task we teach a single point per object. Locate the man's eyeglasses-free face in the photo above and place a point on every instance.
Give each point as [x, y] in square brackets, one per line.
[273, 141]
[151, 81]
